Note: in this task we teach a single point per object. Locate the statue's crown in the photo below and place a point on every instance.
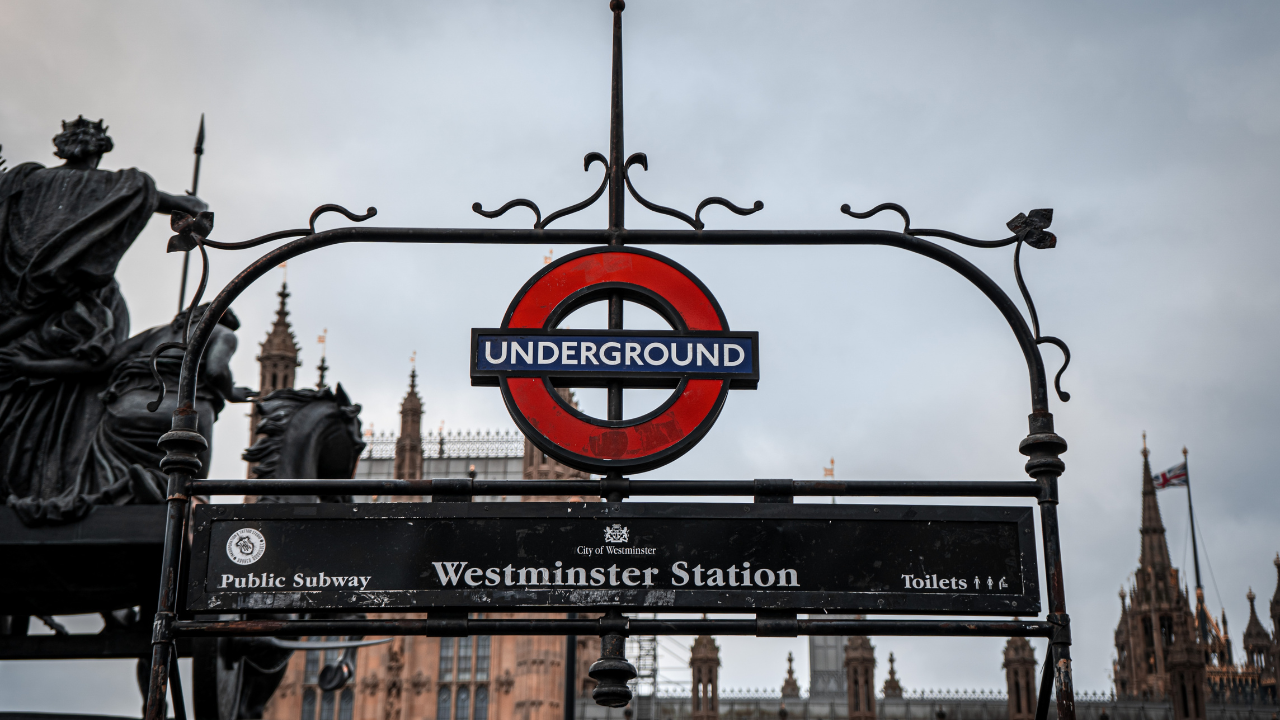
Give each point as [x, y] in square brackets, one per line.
[80, 123]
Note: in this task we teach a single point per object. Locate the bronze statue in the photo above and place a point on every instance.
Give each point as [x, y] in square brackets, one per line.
[64, 328]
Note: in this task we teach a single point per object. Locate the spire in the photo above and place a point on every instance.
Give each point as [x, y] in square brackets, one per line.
[408, 462]
[1155, 548]
[1257, 642]
[892, 688]
[280, 349]
[323, 367]
[790, 688]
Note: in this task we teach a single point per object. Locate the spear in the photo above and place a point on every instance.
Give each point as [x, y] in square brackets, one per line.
[195, 185]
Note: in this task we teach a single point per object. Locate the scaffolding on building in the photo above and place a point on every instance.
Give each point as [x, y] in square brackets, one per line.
[644, 648]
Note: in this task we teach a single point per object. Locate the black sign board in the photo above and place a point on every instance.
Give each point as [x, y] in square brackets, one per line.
[634, 556]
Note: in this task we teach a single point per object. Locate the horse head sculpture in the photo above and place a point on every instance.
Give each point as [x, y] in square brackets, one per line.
[312, 434]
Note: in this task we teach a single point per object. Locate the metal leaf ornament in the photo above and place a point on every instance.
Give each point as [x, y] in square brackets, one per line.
[192, 231]
[1031, 228]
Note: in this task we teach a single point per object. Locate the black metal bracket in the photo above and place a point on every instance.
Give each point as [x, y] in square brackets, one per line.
[611, 671]
[615, 489]
[777, 625]
[775, 491]
[454, 490]
[1061, 625]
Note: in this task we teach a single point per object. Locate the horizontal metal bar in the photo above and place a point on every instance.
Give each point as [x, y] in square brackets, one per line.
[464, 626]
[454, 486]
[128, 644]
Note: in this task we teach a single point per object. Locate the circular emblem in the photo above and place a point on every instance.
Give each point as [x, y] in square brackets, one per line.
[699, 358]
[245, 546]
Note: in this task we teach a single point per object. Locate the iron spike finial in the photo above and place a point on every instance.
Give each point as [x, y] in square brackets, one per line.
[617, 157]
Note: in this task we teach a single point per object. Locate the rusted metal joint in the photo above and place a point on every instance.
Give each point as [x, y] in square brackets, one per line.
[452, 490]
[1039, 422]
[1061, 623]
[176, 489]
[777, 625]
[182, 444]
[1043, 449]
[774, 491]
[1047, 445]
[449, 624]
[614, 623]
[162, 628]
[615, 489]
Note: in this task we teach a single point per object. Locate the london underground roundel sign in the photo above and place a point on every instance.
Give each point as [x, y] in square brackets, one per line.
[530, 356]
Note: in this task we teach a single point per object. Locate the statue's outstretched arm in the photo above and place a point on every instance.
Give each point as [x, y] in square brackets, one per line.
[188, 204]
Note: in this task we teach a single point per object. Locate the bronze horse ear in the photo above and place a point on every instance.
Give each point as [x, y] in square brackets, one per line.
[348, 409]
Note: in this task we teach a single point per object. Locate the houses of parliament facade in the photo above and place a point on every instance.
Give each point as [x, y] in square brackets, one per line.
[1173, 660]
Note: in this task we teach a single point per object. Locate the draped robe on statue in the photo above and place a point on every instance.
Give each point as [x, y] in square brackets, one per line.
[62, 234]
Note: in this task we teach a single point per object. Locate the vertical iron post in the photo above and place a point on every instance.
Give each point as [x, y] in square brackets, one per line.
[1042, 446]
[570, 670]
[617, 188]
[182, 446]
[612, 662]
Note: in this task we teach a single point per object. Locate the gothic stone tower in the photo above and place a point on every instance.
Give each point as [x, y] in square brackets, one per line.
[408, 462]
[277, 361]
[1157, 651]
[1020, 676]
[704, 661]
[860, 668]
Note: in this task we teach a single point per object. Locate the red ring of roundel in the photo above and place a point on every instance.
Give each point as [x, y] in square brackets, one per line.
[646, 443]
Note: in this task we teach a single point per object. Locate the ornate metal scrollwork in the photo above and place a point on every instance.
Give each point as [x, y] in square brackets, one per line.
[636, 159]
[1030, 228]
[694, 222]
[193, 233]
[538, 222]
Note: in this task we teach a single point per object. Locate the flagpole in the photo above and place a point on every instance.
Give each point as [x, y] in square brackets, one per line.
[1201, 620]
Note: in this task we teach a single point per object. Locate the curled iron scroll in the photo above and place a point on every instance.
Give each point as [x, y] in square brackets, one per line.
[694, 222]
[538, 222]
[1030, 228]
[193, 233]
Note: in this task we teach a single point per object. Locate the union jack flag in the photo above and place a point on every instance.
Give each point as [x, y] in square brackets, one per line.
[1175, 476]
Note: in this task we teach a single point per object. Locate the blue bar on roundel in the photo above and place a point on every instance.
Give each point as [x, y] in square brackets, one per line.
[623, 354]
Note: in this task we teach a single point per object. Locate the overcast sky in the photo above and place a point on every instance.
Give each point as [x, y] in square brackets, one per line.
[1151, 129]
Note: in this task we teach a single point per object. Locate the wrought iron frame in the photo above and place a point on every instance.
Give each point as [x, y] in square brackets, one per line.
[1042, 446]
